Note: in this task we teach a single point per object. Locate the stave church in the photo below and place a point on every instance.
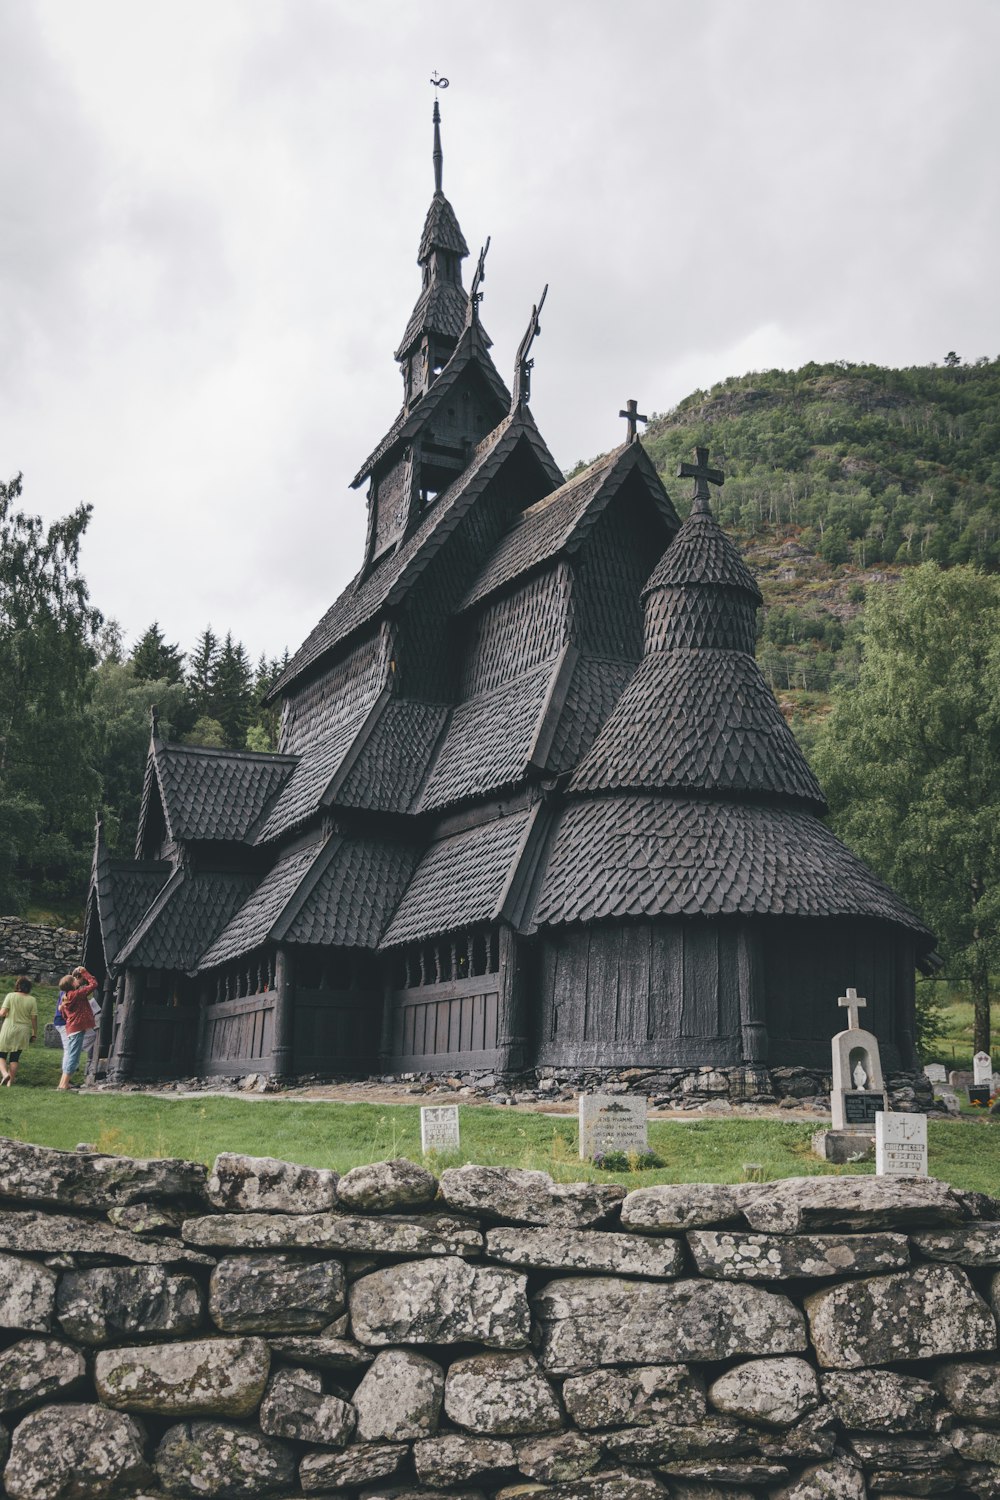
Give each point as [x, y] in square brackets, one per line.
[533, 806]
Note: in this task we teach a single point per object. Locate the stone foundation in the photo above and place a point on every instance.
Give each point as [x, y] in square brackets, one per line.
[45, 954]
[273, 1330]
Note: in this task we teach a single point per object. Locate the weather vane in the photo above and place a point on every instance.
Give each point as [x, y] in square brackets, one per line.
[439, 83]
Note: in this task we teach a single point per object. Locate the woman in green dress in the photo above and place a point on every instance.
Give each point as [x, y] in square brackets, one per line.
[19, 1014]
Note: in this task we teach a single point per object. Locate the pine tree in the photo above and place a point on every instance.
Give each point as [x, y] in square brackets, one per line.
[200, 675]
[154, 660]
[232, 685]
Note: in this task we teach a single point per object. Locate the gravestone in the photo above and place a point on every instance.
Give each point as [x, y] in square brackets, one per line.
[982, 1069]
[900, 1145]
[439, 1129]
[936, 1073]
[858, 1092]
[608, 1123]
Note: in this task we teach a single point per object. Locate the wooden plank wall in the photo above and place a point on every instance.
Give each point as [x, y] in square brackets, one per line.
[239, 1035]
[335, 1031]
[453, 1024]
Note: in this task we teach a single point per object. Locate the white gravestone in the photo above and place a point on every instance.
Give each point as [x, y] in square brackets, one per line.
[936, 1073]
[900, 1145]
[439, 1128]
[982, 1070]
[611, 1123]
[858, 1087]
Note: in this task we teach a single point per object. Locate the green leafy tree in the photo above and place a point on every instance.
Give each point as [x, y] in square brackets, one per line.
[206, 732]
[910, 760]
[119, 715]
[48, 627]
[154, 659]
[263, 731]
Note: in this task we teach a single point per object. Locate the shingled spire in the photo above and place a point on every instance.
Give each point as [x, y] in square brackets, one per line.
[698, 716]
[441, 312]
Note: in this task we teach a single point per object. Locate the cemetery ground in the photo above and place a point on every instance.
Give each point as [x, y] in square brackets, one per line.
[331, 1132]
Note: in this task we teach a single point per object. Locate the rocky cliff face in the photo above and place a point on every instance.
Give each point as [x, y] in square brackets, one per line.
[265, 1329]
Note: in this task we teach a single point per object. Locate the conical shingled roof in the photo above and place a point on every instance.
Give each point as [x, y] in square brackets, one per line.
[442, 230]
[701, 554]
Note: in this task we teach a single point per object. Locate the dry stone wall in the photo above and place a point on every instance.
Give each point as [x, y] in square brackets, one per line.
[43, 953]
[266, 1330]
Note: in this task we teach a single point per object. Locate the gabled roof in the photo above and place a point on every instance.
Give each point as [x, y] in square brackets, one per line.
[658, 856]
[251, 926]
[353, 895]
[699, 721]
[472, 350]
[215, 795]
[462, 880]
[441, 308]
[121, 890]
[564, 519]
[318, 764]
[393, 761]
[390, 580]
[490, 739]
[187, 915]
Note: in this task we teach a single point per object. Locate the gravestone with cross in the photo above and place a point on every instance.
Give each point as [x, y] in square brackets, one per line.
[858, 1086]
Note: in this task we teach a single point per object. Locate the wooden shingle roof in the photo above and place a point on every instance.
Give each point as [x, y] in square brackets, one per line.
[216, 795]
[562, 520]
[442, 307]
[122, 890]
[701, 553]
[461, 880]
[441, 230]
[353, 895]
[661, 856]
[699, 721]
[388, 770]
[252, 925]
[187, 915]
[389, 581]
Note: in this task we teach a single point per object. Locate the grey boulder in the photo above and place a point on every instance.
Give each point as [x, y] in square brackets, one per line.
[207, 1377]
[295, 1407]
[115, 1302]
[34, 1232]
[501, 1395]
[918, 1314]
[521, 1196]
[587, 1321]
[776, 1392]
[837, 1479]
[261, 1184]
[558, 1459]
[399, 1397]
[384, 1186]
[454, 1458]
[443, 1301]
[275, 1294]
[361, 1463]
[798, 1205]
[974, 1245]
[733, 1256]
[880, 1400]
[349, 1234]
[27, 1295]
[323, 1351]
[34, 1369]
[635, 1397]
[586, 1250]
[680, 1206]
[75, 1451]
[219, 1461]
[70, 1179]
[663, 1442]
[971, 1389]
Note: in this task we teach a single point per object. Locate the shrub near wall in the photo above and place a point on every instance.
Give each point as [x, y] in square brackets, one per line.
[267, 1329]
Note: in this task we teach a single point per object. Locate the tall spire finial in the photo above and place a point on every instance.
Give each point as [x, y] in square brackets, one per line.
[703, 476]
[524, 365]
[439, 83]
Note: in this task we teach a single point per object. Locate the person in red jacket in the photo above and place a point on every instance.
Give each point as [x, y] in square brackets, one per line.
[77, 989]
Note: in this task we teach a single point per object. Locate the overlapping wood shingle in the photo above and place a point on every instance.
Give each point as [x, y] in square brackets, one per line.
[252, 924]
[353, 896]
[216, 795]
[186, 917]
[389, 769]
[646, 856]
[460, 881]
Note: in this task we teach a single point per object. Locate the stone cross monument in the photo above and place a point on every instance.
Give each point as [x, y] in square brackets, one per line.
[858, 1086]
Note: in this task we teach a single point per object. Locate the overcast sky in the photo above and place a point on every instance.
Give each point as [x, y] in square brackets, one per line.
[211, 212]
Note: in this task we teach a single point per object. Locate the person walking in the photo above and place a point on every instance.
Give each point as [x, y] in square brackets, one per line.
[20, 1027]
[77, 989]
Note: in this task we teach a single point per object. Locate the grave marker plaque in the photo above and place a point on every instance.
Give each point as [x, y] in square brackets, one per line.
[936, 1073]
[982, 1070]
[861, 1108]
[610, 1123]
[900, 1145]
[439, 1128]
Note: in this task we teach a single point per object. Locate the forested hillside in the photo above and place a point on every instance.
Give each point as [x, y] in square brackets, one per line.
[839, 476]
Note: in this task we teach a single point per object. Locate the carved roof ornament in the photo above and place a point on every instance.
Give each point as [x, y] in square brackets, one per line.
[703, 476]
[523, 366]
[633, 416]
[475, 295]
[438, 83]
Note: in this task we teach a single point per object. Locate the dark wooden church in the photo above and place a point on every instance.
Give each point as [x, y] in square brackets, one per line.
[534, 802]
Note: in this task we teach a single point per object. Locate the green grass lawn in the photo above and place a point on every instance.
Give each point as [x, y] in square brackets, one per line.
[954, 1046]
[338, 1135]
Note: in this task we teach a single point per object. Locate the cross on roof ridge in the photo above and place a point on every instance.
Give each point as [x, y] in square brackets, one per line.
[632, 415]
[703, 476]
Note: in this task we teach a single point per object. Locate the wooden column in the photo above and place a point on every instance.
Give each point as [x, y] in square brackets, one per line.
[753, 1009]
[121, 1065]
[512, 1041]
[102, 1045]
[284, 1014]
